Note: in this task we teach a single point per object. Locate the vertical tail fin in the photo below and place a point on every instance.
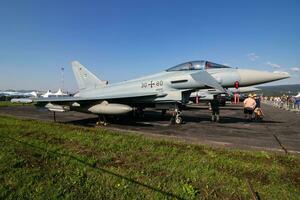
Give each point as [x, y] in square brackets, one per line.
[85, 79]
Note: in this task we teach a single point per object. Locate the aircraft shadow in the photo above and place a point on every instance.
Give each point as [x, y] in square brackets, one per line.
[91, 122]
[231, 108]
[84, 122]
[151, 117]
[230, 120]
[155, 116]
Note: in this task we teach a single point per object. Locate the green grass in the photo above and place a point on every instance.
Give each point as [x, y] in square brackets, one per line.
[43, 160]
[8, 103]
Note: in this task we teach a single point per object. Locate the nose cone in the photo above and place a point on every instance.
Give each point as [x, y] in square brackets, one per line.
[253, 77]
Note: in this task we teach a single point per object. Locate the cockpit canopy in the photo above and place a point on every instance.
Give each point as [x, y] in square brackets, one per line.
[196, 65]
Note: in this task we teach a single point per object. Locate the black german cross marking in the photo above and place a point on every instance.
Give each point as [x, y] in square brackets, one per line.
[151, 84]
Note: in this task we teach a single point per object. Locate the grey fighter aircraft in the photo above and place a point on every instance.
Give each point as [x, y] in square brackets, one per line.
[208, 94]
[167, 90]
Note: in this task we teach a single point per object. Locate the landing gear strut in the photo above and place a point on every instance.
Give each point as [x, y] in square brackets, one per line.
[101, 122]
[163, 113]
[138, 113]
[54, 116]
[176, 118]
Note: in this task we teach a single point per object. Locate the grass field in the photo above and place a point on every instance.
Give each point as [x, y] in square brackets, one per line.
[43, 160]
[8, 103]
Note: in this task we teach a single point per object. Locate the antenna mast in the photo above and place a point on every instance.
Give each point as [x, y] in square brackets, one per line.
[62, 79]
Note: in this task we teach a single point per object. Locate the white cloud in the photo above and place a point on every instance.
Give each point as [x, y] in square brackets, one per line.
[295, 69]
[281, 72]
[274, 65]
[252, 56]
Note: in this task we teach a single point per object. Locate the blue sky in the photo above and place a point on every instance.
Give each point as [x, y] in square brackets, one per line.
[120, 40]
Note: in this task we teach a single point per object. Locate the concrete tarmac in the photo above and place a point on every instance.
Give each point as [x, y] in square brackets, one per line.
[278, 131]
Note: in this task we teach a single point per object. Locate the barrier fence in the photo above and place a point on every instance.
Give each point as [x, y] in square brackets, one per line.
[285, 105]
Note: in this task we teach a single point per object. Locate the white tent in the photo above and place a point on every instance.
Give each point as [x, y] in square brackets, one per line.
[33, 94]
[60, 93]
[47, 94]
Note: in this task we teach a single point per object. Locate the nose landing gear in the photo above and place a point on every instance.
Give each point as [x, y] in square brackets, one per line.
[176, 117]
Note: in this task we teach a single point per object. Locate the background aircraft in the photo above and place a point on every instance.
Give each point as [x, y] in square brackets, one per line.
[21, 100]
[167, 90]
[205, 95]
[17, 94]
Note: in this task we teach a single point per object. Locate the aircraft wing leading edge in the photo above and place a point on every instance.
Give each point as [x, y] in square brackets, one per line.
[208, 80]
[103, 97]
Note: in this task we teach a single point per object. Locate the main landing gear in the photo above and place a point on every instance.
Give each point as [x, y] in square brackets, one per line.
[101, 121]
[138, 113]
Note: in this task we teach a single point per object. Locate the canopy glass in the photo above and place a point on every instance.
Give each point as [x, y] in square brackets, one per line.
[196, 65]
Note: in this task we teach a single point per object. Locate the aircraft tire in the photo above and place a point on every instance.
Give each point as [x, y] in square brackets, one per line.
[178, 120]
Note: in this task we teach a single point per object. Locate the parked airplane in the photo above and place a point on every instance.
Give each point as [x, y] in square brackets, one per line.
[167, 90]
[208, 94]
[21, 100]
[17, 94]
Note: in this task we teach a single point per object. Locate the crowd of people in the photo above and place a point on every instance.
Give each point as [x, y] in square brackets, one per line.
[285, 102]
[252, 106]
[252, 109]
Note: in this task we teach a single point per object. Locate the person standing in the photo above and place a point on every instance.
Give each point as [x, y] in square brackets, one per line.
[249, 106]
[297, 102]
[257, 100]
[215, 109]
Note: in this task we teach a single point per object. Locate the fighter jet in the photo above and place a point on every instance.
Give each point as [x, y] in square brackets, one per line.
[207, 94]
[167, 90]
[242, 90]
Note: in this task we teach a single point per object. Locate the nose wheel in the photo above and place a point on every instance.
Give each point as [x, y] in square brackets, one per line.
[176, 118]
